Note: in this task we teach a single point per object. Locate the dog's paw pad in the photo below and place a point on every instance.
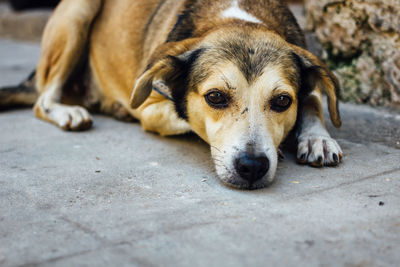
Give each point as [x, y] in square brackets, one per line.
[73, 118]
[319, 151]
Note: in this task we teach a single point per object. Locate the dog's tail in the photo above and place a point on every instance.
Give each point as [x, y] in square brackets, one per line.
[24, 94]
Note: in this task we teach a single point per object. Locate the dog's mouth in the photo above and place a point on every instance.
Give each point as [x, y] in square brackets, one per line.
[245, 185]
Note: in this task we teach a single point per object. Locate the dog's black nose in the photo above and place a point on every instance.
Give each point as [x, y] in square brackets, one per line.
[251, 167]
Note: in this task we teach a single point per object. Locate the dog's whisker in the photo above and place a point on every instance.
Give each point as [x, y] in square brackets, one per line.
[217, 159]
[216, 148]
[281, 156]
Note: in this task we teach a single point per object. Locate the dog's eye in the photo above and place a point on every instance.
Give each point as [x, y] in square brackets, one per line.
[217, 99]
[281, 103]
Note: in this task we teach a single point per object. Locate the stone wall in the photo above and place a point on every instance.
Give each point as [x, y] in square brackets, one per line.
[361, 40]
[24, 26]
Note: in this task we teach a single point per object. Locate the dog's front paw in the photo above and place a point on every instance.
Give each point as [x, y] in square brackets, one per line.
[71, 118]
[319, 151]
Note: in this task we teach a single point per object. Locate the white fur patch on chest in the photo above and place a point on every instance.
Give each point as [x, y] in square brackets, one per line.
[236, 12]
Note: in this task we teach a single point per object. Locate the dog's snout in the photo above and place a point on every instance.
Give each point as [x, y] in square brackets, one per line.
[251, 167]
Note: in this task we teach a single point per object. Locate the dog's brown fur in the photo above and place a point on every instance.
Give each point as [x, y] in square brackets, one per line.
[101, 48]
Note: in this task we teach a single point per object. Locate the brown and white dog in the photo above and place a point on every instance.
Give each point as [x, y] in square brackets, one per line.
[235, 72]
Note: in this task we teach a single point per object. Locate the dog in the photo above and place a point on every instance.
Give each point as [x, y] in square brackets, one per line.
[235, 72]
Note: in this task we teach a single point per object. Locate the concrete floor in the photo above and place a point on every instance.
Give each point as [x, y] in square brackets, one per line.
[116, 196]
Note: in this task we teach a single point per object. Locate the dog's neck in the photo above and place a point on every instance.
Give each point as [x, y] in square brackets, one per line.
[191, 22]
[236, 12]
[197, 17]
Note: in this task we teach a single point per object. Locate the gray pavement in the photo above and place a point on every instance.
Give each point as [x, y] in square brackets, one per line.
[117, 196]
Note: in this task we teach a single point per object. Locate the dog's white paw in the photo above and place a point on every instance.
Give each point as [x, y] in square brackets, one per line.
[71, 118]
[319, 151]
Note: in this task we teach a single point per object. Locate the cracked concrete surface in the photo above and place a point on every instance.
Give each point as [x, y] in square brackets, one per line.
[117, 196]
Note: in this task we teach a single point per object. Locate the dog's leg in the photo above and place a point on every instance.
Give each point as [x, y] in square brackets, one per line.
[158, 115]
[63, 43]
[315, 145]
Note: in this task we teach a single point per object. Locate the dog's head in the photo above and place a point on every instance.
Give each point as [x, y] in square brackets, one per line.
[240, 89]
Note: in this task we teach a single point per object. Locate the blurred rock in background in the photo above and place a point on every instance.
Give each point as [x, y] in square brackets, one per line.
[23, 26]
[361, 41]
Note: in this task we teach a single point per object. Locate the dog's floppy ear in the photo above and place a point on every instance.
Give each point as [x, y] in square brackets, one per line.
[169, 64]
[316, 74]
